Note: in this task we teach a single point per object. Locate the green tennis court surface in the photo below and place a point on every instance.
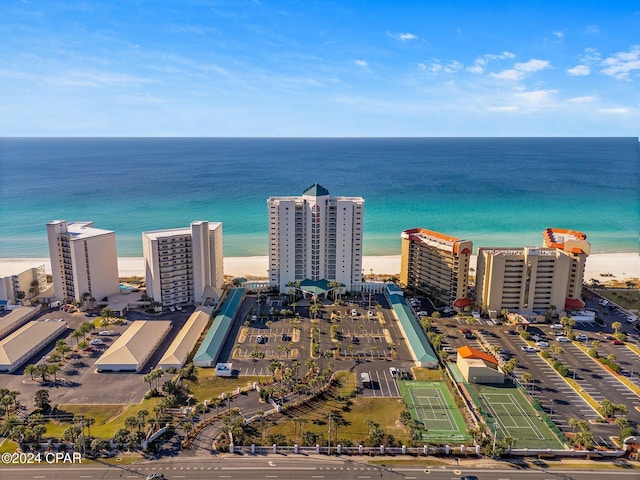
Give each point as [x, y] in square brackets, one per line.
[431, 404]
[510, 415]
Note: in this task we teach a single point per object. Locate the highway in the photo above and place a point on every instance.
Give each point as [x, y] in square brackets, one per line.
[299, 468]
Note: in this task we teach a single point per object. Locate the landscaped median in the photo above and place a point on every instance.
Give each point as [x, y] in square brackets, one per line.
[627, 383]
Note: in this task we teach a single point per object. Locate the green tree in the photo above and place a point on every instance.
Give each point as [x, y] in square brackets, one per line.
[31, 369]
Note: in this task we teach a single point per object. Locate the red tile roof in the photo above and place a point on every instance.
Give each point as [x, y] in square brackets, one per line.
[468, 352]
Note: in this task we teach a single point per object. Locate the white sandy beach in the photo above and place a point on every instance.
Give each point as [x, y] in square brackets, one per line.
[622, 266]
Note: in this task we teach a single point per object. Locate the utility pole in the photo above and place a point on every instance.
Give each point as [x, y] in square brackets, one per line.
[329, 435]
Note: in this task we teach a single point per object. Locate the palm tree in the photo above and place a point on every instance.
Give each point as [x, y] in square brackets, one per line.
[35, 288]
[43, 371]
[616, 326]
[31, 369]
[77, 334]
[622, 422]
[527, 378]
[54, 368]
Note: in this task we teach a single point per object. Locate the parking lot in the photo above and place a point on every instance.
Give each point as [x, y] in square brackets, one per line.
[558, 398]
[78, 382]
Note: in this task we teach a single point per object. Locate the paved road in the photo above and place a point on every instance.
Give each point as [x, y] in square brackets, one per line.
[303, 468]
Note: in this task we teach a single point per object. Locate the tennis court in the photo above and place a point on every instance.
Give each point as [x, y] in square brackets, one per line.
[431, 404]
[510, 415]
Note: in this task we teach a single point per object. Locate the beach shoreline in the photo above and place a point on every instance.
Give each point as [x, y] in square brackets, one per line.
[602, 267]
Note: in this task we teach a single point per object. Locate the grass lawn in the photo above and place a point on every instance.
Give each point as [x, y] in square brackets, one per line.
[209, 386]
[8, 446]
[627, 298]
[109, 418]
[427, 374]
[384, 411]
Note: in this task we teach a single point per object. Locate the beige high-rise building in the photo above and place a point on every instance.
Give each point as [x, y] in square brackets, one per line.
[315, 237]
[184, 265]
[528, 279]
[83, 260]
[436, 264]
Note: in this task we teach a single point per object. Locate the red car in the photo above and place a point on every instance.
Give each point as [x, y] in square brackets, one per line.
[617, 342]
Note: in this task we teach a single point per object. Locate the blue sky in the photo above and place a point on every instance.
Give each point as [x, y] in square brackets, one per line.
[319, 68]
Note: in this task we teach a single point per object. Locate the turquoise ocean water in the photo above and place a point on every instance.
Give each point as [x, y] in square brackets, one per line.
[494, 191]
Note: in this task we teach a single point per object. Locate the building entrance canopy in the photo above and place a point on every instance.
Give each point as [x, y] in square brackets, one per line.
[315, 287]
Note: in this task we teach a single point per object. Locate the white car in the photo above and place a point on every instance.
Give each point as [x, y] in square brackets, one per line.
[542, 344]
[582, 337]
[448, 349]
[106, 333]
[557, 326]
[562, 339]
[96, 341]
[529, 349]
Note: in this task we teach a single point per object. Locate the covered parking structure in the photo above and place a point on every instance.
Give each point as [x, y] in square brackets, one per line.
[211, 346]
[133, 348]
[419, 345]
[25, 342]
[17, 318]
[178, 352]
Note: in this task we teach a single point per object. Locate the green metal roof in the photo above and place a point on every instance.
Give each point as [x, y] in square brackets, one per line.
[316, 190]
[418, 342]
[316, 287]
[213, 341]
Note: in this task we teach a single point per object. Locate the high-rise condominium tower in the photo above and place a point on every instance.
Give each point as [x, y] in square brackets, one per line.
[315, 237]
[84, 261]
[184, 265]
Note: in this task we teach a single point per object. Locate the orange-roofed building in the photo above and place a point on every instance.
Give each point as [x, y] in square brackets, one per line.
[477, 366]
[575, 244]
[436, 264]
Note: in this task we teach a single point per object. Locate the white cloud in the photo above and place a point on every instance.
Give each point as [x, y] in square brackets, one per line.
[558, 34]
[622, 64]
[520, 70]
[435, 66]
[579, 70]
[480, 63]
[511, 74]
[536, 98]
[591, 29]
[361, 63]
[584, 99]
[615, 110]
[505, 108]
[403, 37]
[532, 65]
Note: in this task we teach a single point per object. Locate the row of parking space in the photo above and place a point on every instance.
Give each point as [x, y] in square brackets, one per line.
[379, 382]
[612, 383]
[557, 398]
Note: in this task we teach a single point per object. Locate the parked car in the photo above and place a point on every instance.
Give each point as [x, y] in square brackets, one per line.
[447, 348]
[617, 342]
[96, 341]
[562, 339]
[393, 371]
[542, 344]
[582, 337]
[259, 339]
[105, 333]
[557, 326]
[529, 349]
